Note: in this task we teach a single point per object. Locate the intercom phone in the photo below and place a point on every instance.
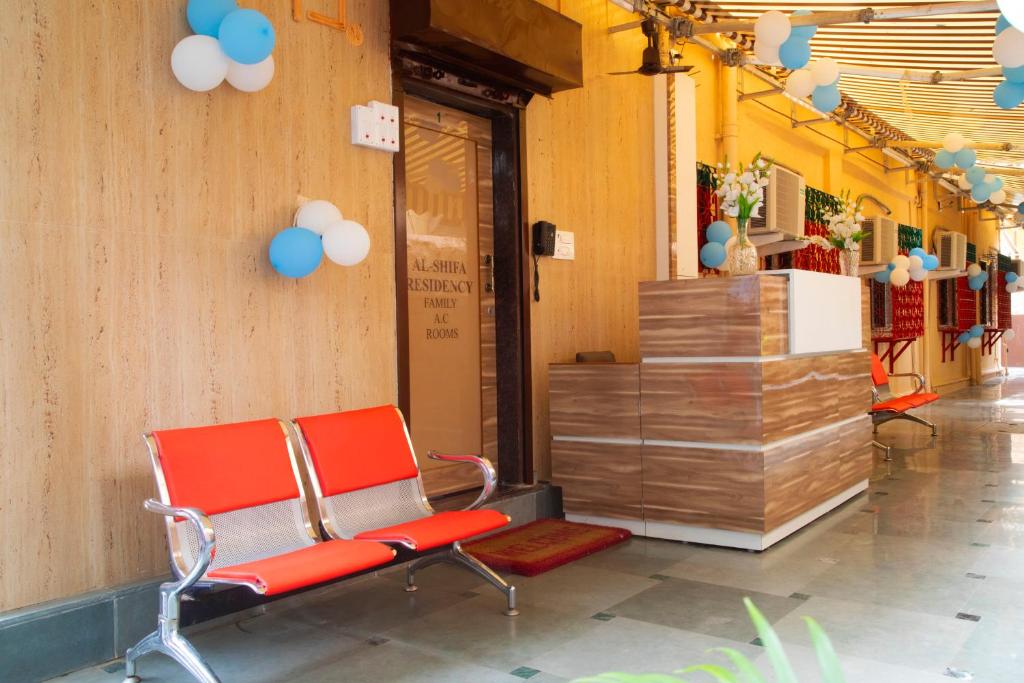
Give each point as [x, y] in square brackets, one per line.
[544, 238]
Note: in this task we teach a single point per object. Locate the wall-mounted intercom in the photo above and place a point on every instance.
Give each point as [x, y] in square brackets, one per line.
[544, 238]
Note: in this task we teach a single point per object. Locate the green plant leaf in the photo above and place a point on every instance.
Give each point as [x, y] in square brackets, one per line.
[831, 671]
[772, 645]
[719, 673]
[742, 664]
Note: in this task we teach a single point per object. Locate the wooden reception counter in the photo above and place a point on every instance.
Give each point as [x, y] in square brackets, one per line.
[745, 420]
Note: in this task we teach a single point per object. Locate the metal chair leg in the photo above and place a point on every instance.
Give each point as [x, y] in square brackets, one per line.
[416, 565]
[478, 567]
[885, 449]
[919, 420]
[167, 640]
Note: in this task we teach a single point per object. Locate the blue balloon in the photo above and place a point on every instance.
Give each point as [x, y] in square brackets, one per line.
[976, 283]
[1002, 23]
[826, 98]
[803, 32]
[296, 252]
[246, 36]
[931, 262]
[919, 252]
[1020, 208]
[945, 159]
[977, 330]
[1011, 277]
[996, 184]
[891, 267]
[981, 192]
[712, 254]
[1014, 74]
[883, 276]
[963, 338]
[795, 53]
[205, 16]
[976, 175]
[966, 158]
[1009, 95]
[719, 231]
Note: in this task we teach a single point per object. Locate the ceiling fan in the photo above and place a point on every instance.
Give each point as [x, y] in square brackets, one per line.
[652, 65]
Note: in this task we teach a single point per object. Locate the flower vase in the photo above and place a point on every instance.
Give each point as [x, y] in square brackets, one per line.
[849, 261]
[743, 257]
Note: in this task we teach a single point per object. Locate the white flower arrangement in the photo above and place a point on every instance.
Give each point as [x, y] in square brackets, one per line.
[741, 193]
[844, 227]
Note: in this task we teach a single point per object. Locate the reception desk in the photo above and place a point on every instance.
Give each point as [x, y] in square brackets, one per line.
[745, 419]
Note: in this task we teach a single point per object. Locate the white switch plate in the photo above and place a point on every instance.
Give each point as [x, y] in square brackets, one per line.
[565, 245]
[376, 126]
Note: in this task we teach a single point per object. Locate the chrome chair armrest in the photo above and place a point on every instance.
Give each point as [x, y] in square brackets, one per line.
[204, 527]
[921, 381]
[486, 468]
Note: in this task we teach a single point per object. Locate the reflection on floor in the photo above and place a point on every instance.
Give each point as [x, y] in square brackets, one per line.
[921, 576]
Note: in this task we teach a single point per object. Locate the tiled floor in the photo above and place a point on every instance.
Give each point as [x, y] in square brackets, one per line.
[921, 577]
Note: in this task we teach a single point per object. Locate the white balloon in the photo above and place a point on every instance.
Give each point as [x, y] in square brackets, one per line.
[901, 262]
[198, 63]
[346, 242]
[800, 83]
[899, 277]
[918, 274]
[1009, 335]
[975, 342]
[251, 77]
[316, 215]
[998, 197]
[954, 142]
[825, 71]
[973, 270]
[1011, 287]
[916, 263]
[1013, 10]
[964, 183]
[772, 27]
[1009, 48]
[767, 53]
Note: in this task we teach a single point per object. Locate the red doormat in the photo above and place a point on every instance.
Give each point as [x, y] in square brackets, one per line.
[541, 546]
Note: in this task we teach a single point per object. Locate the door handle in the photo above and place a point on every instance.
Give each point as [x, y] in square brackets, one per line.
[489, 265]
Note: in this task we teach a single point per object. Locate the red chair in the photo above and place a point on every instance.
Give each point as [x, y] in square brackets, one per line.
[236, 514]
[895, 408]
[368, 486]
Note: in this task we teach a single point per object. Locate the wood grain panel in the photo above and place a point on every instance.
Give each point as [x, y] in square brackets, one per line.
[136, 217]
[803, 474]
[801, 394]
[707, 402]
[598, 479]
[711, 488]
[596, 400]
[726, 316]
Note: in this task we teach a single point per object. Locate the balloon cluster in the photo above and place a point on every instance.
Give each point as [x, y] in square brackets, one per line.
[976, 277]
[984, 187]
[781, 43]
[902, 269]
[319, 229]
[713, 254]
[229, 43]
[1009, 52]
[1013, 282]
[972, 337]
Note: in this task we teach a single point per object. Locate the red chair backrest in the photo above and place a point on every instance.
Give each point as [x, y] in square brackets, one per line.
[879, 377]
[227, 467]
[358, 449]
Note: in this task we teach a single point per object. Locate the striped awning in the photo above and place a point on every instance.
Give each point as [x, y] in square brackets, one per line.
[923, 111]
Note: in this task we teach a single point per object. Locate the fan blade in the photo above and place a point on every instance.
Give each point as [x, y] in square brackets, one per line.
[676, 69]
[622, 73]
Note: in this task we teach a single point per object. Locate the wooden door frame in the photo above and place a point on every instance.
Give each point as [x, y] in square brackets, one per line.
[511, 245]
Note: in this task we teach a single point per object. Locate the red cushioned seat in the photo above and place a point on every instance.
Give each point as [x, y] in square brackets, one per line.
[904, 403]
[307, 566]
[440, 529]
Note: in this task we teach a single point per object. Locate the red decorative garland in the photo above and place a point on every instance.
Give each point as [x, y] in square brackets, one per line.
[1003, 314]
[813, 257]
[707, 213]
[966, 305]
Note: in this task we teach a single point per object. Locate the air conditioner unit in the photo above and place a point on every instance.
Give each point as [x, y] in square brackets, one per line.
[951, 248]
[784, 201]
[882, 245]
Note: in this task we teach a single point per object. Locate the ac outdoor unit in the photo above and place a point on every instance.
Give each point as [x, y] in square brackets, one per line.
[951, 248]
[784, 201]
[1017, 266]
[882, 245]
